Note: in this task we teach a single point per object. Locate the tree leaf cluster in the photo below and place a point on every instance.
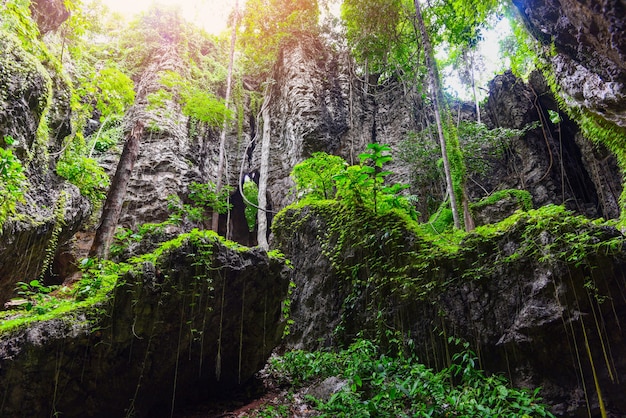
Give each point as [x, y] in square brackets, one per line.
[268, 24]
[324, 176]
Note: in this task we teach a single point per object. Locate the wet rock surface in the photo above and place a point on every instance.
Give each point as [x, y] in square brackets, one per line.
[553, 161]
[52, 210]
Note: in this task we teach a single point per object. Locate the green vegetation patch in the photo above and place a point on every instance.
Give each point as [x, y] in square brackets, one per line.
[378, 384]
[90, 297]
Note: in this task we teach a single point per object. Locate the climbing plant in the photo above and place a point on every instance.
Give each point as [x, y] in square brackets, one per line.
[251, 193]
[13, 182]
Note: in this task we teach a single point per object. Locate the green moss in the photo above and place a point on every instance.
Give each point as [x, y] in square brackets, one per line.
[378, 260]
[523, 197]
[67, 305]
[100, 278]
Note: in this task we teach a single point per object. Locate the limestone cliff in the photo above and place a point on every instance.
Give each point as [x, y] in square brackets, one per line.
[320, 104]
[34, 120]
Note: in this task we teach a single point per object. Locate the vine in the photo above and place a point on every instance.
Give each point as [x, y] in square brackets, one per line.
[59, 221]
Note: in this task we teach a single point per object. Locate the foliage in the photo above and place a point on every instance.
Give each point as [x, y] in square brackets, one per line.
[326, 177]
[521, 48]
[204, 195]
[479, 147]
[380, 35]
[268, 25]
[97, 276]
[251, 193]
[15, 18]
[204, 200]
[36, 295]
[84, 173]
[158, 26]
[12, 182]
[197, 102]
[124, 237]
[205, 107]
[378, 384]
[523, 198]
[110, 133]
[314, 177]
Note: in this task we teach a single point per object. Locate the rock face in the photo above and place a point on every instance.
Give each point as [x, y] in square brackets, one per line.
[319, 105]
[52, 210]
[201, 320]
[529, 296]
[49, 14]
[590, 40]
[553, 161]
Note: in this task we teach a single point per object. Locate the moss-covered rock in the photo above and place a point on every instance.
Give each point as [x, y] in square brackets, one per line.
[529, 294]
[25, 94]
[196, 317]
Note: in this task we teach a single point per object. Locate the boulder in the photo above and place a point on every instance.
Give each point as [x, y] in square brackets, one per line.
[197, 318]
[537, 297]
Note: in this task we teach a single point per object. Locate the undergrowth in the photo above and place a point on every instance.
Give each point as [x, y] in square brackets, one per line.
[376, 384]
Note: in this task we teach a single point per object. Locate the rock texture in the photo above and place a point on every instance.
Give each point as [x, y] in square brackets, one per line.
[200, 321]
[53, 210]
[590, 40]
[49, 14]
[318, 104]
[529, 299]
[553, 161]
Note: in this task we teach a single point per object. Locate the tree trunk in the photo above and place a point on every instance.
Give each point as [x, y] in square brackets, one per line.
[474, 87]
[263, 173]
[436, 95]
[229, 80]
[115, 197]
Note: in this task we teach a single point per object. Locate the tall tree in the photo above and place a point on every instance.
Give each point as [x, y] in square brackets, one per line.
[436, 97]
[229, 80]
[264, 171]
[115, 197]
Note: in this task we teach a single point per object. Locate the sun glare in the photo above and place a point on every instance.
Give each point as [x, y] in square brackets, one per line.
[211, 15]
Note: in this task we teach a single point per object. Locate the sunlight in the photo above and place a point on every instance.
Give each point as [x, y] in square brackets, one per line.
[490, 63]
[211, 15]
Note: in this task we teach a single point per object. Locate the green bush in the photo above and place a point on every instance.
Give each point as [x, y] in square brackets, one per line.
[84, 173]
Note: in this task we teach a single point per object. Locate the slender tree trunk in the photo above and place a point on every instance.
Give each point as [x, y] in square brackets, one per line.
[263, 173]
[115, 197]
[229, 80]
[474, 87]
[432, 73]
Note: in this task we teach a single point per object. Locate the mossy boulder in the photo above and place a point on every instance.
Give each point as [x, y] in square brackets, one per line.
[196, 317]
[528, 294]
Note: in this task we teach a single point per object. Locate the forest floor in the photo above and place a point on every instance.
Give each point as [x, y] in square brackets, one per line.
[259, 398]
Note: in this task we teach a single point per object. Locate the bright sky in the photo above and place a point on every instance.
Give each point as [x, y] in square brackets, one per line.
[208, 14]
